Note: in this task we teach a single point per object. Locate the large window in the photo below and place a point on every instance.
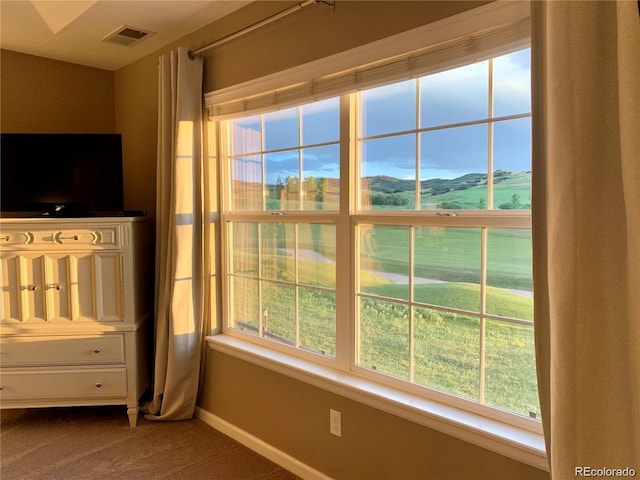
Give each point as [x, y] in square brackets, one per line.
[387, 232]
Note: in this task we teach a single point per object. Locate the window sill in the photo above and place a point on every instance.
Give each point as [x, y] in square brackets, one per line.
[516, 443]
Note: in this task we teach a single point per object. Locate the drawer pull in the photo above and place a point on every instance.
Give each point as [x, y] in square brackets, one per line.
[1, 387]
[31, 288]
[98, 384]
[59, 239]
[96, 350]
[57, 286]
[6, 238]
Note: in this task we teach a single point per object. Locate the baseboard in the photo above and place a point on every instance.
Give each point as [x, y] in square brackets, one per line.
[259, 446]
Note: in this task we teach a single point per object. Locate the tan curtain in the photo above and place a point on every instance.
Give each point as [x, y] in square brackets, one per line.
[586, 220]
[179, 238]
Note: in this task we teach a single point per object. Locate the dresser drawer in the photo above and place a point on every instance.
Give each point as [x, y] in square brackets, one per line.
[37, 238]
[56, 384]
[61, 350]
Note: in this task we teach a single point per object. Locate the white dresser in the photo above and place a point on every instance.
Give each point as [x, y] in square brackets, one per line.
[76, 307]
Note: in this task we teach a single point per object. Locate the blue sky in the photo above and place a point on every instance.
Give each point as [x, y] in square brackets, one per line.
[453, 96]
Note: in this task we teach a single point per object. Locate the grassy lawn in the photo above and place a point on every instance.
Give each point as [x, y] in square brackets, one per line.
[450, 254]
[447, 346]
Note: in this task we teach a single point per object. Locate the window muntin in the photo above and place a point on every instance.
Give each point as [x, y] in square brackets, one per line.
[463, 344]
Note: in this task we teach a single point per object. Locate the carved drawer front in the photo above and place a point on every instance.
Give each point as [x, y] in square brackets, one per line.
[55, 385]
[37, 238]
[62, 350]
[41, 287]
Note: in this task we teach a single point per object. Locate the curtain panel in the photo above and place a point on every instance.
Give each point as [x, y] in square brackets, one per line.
[586, 232]
[179, 238]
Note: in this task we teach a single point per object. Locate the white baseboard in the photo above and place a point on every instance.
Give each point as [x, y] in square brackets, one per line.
[259, 446]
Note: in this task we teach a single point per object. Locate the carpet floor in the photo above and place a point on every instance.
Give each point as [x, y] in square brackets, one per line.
[87, 443]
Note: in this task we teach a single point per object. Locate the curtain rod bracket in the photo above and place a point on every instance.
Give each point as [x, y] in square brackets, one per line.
[331, 3]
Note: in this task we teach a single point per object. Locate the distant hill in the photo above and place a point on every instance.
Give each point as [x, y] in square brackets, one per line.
[469, 191]
[435, 186]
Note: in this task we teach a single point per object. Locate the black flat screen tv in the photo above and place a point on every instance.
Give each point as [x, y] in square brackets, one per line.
[68, 175]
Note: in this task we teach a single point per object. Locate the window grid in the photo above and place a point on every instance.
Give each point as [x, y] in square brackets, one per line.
[262, 152]
[268, 279]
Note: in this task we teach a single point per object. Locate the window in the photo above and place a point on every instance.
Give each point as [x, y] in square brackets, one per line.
[284, 167]
[387, 232]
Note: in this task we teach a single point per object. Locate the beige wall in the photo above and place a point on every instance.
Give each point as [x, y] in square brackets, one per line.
[47, 96]
[137, 119]
[312, 33]
[294, 417]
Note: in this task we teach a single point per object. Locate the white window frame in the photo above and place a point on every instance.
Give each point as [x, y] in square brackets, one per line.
[518, 440]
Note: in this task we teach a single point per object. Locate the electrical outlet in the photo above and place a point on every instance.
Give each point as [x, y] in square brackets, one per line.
[335, 423]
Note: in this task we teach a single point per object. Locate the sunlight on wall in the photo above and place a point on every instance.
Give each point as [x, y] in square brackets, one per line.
[183, 295]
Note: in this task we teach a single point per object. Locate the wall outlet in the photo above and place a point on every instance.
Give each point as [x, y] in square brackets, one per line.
[335, 423]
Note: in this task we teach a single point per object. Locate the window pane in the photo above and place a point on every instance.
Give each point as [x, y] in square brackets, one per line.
[384, 337]
[246, 186]
[455, 96]
[512, 83]
[282, 173]
[509, 273]
[279, 312]
[388, 172]
[244, 249]
[277, 249]
[453, 168]
[447, 267]
[318, 321]
[246, 135]
[321, 173]
[384, 261]
[281, 129]
[321, 122]
[245, 304]
[510, 372]
[446, 352]
[317, 254]
[389, 109]
[512, 164]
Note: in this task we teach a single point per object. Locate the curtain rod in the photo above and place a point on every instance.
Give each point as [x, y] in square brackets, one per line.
[261, 23]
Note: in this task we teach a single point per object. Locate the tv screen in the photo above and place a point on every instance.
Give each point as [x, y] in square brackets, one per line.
[61, 174]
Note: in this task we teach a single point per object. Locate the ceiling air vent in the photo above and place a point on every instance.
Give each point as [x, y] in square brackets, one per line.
[127, 36]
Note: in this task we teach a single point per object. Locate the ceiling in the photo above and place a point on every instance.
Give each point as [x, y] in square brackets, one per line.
[73, 30]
